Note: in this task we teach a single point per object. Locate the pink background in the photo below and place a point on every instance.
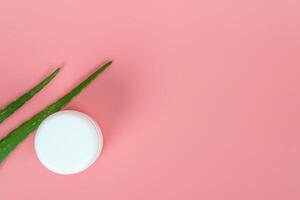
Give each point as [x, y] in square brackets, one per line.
[202, 100]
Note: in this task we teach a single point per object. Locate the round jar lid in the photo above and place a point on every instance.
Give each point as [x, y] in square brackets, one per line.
[68, 142]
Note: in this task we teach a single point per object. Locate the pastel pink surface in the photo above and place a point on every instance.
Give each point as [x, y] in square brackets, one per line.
[202, 100]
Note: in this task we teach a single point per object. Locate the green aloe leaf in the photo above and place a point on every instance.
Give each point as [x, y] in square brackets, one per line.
[15, 105]
[15, 137]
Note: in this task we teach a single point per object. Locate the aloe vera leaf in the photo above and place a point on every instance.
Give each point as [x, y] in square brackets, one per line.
[15, 105]
[15, 137]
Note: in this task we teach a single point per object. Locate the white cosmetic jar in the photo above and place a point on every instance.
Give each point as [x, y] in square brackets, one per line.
[68, 142]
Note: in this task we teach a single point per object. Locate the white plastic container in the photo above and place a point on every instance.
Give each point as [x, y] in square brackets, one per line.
[68, 142]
